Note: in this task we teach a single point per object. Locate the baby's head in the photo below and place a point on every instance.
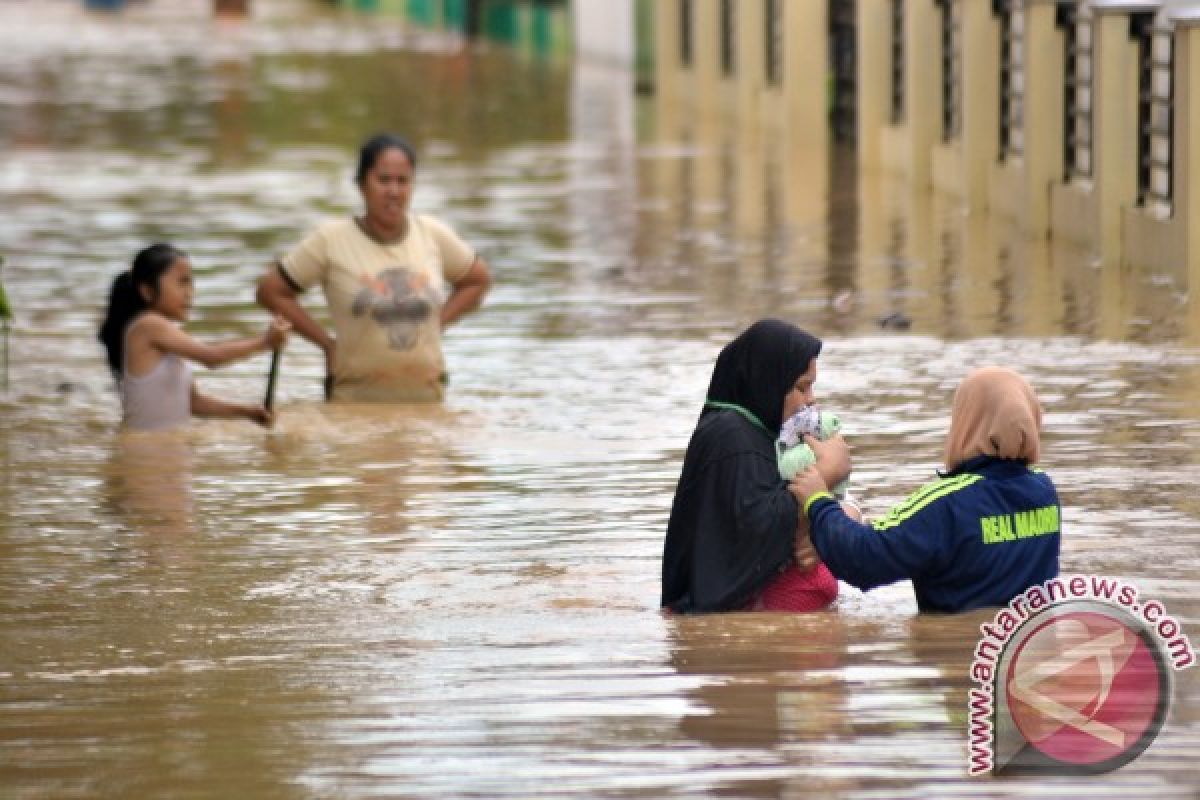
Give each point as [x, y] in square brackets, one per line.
[794, 455]
[810, 421]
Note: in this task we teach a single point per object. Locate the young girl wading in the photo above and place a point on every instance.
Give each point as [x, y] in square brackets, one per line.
[148, 351]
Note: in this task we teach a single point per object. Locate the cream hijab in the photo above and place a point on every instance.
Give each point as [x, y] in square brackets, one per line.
[996, 413]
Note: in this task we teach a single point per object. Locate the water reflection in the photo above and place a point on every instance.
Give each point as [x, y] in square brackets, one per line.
[768, 678]
[151, 482]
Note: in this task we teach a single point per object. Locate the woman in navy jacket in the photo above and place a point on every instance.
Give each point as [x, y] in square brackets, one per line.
[985, 531]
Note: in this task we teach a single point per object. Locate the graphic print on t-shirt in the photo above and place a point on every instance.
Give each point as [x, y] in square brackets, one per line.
[400, 300]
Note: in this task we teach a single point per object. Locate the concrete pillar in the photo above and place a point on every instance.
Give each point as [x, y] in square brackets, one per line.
[668, 64]
[1044, 102]
[601, 30]
[872, 23]
[806, 73]
[750, 69]
[922, 87]
[981, 101]
[1187, 157]
[706, 55]
[1114, 121]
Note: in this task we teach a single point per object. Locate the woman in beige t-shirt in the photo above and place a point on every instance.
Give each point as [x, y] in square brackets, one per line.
[384, 276]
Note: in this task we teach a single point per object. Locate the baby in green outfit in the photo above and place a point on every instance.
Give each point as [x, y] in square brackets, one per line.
[794, 455]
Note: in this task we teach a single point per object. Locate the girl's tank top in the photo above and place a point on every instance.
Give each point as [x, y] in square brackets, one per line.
[162, 398]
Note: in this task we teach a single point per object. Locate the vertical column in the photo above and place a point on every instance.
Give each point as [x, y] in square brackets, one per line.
[981, 100]
[872, 53]
[1043, 118]
[750, 78]
[1187, 158]
[806, 73]
[806, 109]
[922, 82]
[706, 54]
[1115, 119]
[668, 47]
[750, 65]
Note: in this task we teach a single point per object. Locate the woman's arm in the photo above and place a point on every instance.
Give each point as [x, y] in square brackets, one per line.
[278, 296]
[204, 405]
[857, 553]
[468, 292]
[167, 337]
[806, 553]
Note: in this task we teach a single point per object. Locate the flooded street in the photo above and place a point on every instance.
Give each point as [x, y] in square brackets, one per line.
[461, 600]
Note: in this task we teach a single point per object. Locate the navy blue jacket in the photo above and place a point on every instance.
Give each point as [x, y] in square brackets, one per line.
[978, 536]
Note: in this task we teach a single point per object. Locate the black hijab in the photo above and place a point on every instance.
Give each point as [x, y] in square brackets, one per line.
[733, 521]
[758, 368]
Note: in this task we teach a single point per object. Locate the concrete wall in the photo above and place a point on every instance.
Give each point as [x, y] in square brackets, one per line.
[604, 30]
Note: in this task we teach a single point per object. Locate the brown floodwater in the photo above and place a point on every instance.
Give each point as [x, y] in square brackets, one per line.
[461, 600]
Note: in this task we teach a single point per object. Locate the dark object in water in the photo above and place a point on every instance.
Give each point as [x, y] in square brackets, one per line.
[272, 379]
[895, 321]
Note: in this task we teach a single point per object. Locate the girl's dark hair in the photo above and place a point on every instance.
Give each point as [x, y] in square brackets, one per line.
[374, 147]
[125, 299]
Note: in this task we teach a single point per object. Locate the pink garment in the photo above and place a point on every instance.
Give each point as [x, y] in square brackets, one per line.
[795, 590]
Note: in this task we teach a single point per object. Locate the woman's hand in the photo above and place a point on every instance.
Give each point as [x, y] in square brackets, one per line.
[277, 332]
[259, 414]
[833, 458]
[807, 483]
[468, 292]
[276, 295]
[205, 406]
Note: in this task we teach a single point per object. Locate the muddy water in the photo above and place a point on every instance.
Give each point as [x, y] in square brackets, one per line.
[460, 601]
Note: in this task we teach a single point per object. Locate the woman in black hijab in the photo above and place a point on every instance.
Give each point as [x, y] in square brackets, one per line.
[734, 523]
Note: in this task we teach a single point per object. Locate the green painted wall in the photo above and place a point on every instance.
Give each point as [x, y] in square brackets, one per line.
[643, 56]
[540, 28]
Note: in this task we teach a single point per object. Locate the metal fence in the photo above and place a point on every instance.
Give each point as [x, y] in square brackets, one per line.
[686, 15]
[842, 57]
[774, 48]
[728, 38]
[1012, 77]
[897, 109]
[1074, 19]
[1155, 126]
[951, 44]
